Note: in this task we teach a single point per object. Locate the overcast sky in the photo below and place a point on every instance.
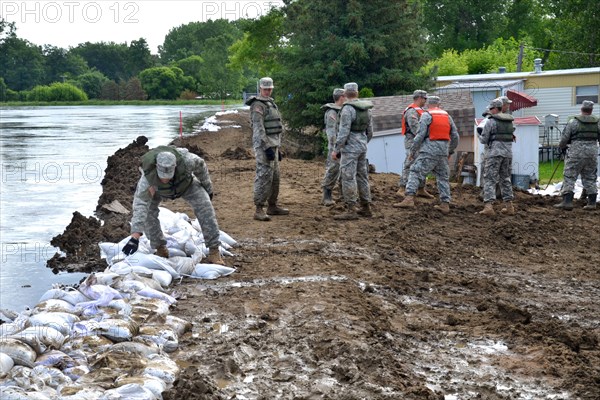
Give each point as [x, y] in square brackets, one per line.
[66, 23]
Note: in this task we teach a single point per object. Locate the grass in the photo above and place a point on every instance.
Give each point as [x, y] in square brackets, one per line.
[547, 168]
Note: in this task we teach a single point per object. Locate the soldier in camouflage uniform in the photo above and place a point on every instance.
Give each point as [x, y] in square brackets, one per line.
[355, 131]
[170, 173]
[266, 140]
[436, 140]
[498, 136]
[581, 135]
[410, 127]
[332, 166]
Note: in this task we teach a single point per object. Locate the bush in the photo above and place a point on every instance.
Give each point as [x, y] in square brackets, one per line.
[188, 95]
[57, 92]
[366, 92]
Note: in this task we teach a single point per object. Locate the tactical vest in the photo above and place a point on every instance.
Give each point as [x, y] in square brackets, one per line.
[361, 123]
[332, 106]
[272, 119]
[504, 128]
[440, 128]
[405, 126]
[587, 128]
[181, 181]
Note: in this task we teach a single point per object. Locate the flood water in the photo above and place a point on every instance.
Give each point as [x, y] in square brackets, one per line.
[52, 162]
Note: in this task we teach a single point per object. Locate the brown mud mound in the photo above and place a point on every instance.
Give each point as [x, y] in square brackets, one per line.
[237, 153]
[408, 304]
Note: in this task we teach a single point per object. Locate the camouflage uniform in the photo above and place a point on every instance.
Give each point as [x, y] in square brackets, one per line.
[332, 167]
[498, 160]
[146, 201]
[266, 182]
[352, 145]
[411, 117]
[582, 154]
[432, 156]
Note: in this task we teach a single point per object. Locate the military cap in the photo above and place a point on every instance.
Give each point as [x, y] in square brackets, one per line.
[419, 93]
[266, 83]
[433, 100]
[351, 87]
[338, 92]
[165, 165]
[505, 100]
[587, 104]
[496, 103]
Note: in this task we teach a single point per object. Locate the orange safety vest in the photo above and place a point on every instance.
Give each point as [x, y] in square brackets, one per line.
[439, 129]
[419, 111]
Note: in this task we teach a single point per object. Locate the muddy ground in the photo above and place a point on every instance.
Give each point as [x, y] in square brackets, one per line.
[404, 305]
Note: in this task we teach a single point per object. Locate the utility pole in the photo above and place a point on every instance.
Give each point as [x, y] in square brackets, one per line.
[520, 57]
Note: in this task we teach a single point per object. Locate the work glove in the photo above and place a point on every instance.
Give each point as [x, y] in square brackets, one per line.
[131, 246]
[270, 153]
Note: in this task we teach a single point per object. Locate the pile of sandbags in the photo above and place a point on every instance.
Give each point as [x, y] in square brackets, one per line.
[110, 337]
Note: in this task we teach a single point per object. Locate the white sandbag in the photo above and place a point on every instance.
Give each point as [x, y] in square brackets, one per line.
[142, 271]
[121, 268]
[86, 393]
[162, 335]
[161, 367]
[41, 338]
[191, 248]
[109, 250]
[106, 278]
[181, 237]
[224, 237]
[224, 252]
[76, 372]
[155, 385]
[55, 358]
[123, 307]
[70, 295]
[60, 321]
[151, 261]
[130, 391]
[162, 277]
[6, 364]
[211, 271]
[155, 294]
[18, 393]
[21, 353]
[118, 330]
[55, 305]
[131, 285]
[179, 325]
[183, 265]
[176, 252]
[16, 326]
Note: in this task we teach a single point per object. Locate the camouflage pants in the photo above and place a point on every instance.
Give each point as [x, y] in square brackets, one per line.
[423, 165]
[198, 199]
[332, 173]
[497, 171]
[587, 167]
[266, 182]
[408, 142]
[355, 178]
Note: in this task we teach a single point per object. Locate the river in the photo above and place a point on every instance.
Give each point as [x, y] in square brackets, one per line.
[53, 160]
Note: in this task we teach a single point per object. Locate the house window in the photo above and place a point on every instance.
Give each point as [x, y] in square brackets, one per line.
[586, 93]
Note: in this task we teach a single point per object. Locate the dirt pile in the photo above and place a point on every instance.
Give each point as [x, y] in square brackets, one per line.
[404, 305]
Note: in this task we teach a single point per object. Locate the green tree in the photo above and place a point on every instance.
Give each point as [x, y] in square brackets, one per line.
[380, 45]
[60, 64]
[217, 79]
[463, 24]
[21, 62]
[162, 82]
[92, 83]
[133, 90]
[109, 58]
[574, 34]
[110, 91]
[3, 89]
[192, 67]
[260, 47]
[138, 57]
[189, 39]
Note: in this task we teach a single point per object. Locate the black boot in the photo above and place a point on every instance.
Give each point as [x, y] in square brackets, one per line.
[327, 200]
[591, 202]
[567, 202]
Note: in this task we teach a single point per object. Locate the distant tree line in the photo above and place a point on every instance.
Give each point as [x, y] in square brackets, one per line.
[310, 47]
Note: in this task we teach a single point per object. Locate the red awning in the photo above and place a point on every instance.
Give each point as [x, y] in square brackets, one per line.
[520, 100]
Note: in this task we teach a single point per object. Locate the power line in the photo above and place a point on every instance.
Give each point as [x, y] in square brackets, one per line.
[562, 51]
